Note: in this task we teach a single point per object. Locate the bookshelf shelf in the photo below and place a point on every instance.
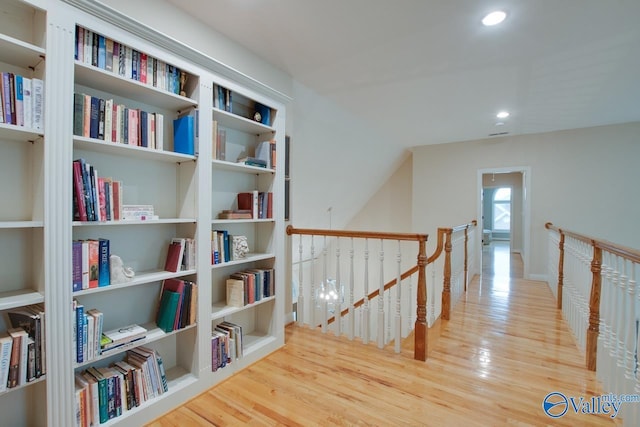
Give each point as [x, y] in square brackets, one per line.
[134, 222]
[20, 298]
[21, 224]
[133, 151]
[238, 167]
[220, 309]
[230, 120]
[241, 221]
[251, 257]
[141, 278]
[29, 384]
[18, 52]
[18, 133]
[87, 75]
[153, 334]
[254, 342]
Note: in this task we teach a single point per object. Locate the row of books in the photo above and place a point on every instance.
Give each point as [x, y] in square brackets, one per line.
[104, 119]
[22, 347]
[181, 255]
[91, 263]
[226, 344]
[226, 247]
[219, 141]
[222, 98]
[95, 198]
[105, 393]
[178, 304]
[259, 203]
[99, 51]
[91, 340]
[249, 286]
[21, 101]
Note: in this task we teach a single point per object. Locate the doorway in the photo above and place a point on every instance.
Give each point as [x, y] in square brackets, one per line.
[504, 211]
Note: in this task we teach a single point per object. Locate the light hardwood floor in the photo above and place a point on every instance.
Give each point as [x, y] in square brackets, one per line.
[505, 348]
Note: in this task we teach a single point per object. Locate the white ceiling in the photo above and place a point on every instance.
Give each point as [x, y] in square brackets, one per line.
[430, 68]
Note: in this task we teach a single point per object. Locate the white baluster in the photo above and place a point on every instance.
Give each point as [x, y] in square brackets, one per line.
[325, 311]
[337, 314]
[301, 311]
[630, 322]
[365, 308]
[398, 324]
[380, 336]
[314, 302]
[613, 351]
[351, 319]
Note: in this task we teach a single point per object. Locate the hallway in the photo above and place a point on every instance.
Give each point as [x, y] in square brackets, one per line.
[505, 348]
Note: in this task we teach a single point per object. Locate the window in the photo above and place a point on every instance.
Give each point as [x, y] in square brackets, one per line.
[502, 209]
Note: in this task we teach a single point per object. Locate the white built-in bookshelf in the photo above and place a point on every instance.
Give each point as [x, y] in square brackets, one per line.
[187, 192]
[22, 181]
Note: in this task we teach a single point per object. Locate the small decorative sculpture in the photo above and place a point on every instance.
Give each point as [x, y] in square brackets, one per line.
[240, 247]
[119, 273]
[183, 81]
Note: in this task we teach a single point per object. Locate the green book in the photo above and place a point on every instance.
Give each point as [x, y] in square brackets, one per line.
[167, 310]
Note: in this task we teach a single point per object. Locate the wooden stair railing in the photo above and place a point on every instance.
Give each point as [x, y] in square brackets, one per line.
[598, 246]
[443, 243]
[420, 327]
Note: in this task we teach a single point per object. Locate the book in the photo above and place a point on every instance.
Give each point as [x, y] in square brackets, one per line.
[167, 310]
[27, 99]
[76, 255]
[184, 135]
[104, 273]
[253, 161]
[235, 214]
[173, 261]
[94, 263]
[235, 292]
[177, 286]
[19, 356]
[6, 344]
[123, 335]
[37, 102]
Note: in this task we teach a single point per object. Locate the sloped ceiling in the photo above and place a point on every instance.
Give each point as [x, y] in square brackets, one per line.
[430, 68]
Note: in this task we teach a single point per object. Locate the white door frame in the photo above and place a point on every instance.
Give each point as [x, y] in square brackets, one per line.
[526, 207]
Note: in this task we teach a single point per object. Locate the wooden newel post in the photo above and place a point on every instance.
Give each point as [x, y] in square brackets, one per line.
[421, 327]
[446, 285]
[594, 308]
[560, 270]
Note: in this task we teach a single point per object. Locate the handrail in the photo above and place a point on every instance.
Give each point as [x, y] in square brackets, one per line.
[421, 326]
[598, 245]
[359, 234]
[614, 248]
[443, 242]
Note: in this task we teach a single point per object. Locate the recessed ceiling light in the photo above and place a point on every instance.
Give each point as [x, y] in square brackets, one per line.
[500, 124]
[502, 114]
[494, 18]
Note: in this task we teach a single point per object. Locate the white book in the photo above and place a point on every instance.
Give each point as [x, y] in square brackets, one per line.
[159, 131]
[255, 205]
[152, 130]
[6, 343]
[125, 334]
[88, 46]
[108, 120]
[85, 264]
[119, 112]
[37, 101]
[90, 337]
[27, 102]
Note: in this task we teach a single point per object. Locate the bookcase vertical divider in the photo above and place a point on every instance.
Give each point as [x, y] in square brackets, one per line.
[57, 236]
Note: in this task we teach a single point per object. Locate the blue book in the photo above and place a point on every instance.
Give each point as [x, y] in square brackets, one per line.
[102, 52]
[183, 135]
[94, 117]
[104, 274]
[80, 322]
[144, 141]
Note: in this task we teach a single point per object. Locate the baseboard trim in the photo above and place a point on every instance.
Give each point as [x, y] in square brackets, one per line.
[538, 277]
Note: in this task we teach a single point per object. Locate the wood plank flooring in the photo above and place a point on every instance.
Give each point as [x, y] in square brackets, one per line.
[505, 348]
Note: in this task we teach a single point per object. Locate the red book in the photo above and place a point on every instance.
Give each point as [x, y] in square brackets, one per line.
[269, 204]
[117, 197]
[245, 201]
[143, 67]
[102, 198]
[78, 188]
[173, 257]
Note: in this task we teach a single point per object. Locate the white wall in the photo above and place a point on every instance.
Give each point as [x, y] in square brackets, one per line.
[584, 180]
